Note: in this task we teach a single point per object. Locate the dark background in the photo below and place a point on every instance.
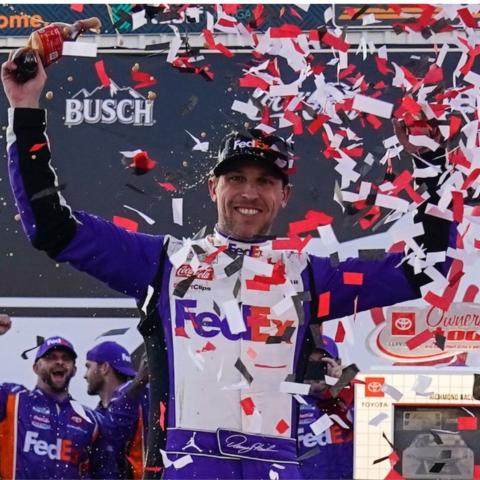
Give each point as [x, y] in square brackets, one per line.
[89, 162]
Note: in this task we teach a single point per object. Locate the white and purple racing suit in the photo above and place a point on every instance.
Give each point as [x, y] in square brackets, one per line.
[232, 318]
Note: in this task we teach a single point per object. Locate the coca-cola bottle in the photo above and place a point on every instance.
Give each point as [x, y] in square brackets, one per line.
[48, 42]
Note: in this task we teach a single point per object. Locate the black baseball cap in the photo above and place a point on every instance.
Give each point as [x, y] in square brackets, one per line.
[272, 150]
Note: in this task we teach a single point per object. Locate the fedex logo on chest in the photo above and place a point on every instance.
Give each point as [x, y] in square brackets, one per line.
[259, 327]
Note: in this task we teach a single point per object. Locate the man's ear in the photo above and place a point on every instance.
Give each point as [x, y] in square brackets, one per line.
[35, 368]
[287, 190]
[74, 371]
[212, 188]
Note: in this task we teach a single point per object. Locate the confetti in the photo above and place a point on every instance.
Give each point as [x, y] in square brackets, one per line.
[239, 365]
[125, 223]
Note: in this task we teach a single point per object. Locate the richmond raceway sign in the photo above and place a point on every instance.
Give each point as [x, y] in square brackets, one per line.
[460, 325]
[109, 105]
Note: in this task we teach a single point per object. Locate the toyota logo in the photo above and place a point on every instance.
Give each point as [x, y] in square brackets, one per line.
[403, 323]
[374, 387]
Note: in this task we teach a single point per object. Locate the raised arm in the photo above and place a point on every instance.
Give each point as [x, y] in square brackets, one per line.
[124, 260]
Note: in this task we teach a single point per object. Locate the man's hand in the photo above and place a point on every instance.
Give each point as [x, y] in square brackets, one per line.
[5, 323]
[23, 95]
[334, 367]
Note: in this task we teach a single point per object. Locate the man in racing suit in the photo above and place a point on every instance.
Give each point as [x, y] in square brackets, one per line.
[226, 345]
[44, 433]
[109, 372]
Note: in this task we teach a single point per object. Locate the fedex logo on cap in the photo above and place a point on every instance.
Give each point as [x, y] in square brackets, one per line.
[60, 450]
[54, 341]
[126, 358]
[254, 143]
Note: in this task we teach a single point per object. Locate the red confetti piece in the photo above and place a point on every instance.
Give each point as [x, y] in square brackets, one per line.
[323, 305]
[457, 206]
[247, 405]
[251, 81]
[340, 333]
[37, 147]
[292, 243]
[254, 285]
[382, 65]
[143, 79]
[216, 46]
[377, 315]
[374, 121]
[394, 475]
[476, 471]
[370, 218]
[467, 17]
[209, 258]
[282, 426]
[180, 332]
[126, 223]
[295, 120]
[252, 353]
[77, 7]
[443, 303]
[328, 39]
[472, 177]
[142, 162]
[434, 75]
[169, 187]
[102, 74]
[285, 31]
[420, 339]
[472, 290]
[161, 419]
[455, 124]
[317, 123]
[209, 347]
[467, 423]
[353, 278]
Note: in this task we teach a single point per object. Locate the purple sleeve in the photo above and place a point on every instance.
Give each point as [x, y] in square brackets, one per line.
[379, 283]
[126, 261]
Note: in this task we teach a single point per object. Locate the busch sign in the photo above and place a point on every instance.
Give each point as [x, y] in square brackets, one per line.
[132, 109]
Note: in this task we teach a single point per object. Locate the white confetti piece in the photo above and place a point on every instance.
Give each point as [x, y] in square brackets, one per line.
[392, 392]
[234, 316]
[294, 387]
[177, 210]
[79, 49]
[422, 382]
[321, 424]
[145, 217]
[373, 106]
[257, 266]
[378, 419]
[139, 19]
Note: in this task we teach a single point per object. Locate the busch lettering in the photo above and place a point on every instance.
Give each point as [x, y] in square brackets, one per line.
[129, 111]
[61, 450]
[209, 324]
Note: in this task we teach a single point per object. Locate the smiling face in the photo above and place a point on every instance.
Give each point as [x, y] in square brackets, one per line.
[55, 370]
[248, 197]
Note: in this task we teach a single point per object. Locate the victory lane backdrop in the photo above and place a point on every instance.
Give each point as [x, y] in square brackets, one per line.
[96, 177]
